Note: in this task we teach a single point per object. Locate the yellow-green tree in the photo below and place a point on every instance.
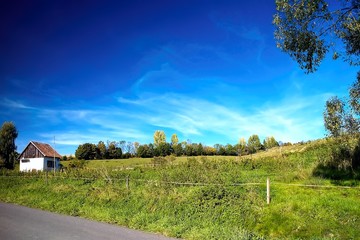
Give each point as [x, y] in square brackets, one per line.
[241, 146]
[174, 140]
[102, 149]
[254, 143]
[270, 142]
[159, 138]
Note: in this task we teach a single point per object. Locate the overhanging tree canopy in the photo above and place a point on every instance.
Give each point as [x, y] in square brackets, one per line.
[308, 29]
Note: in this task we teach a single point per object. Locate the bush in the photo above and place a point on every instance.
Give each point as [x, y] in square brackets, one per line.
[341, 158]
[78, 164]
[159, 161]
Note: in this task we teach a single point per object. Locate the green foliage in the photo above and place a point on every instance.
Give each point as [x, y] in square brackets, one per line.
[159, 138]
[230, 150]
[189, 150]
[254, 143]
[145, 151]
[241, 147]
[78, 164]
[174, 140]
[163, 149]
[159, 161]
[113, 151]
[334, 116]
[209, 151]
[219, 149]
[354, 94]
[270, 142]
[341, 158]
[87, 151]
[194, 149]
[102, 151]
[339, 118]
[306, 30]
[8, 134]
[178, 151]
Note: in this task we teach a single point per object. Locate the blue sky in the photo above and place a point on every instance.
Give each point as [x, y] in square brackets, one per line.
[209, 71]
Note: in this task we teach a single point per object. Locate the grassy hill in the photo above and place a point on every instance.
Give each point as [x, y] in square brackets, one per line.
[204, 197]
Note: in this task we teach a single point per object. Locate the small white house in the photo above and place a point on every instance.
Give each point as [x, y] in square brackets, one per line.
[39, 156]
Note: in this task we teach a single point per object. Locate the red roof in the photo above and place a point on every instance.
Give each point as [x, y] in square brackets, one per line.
[45, 149]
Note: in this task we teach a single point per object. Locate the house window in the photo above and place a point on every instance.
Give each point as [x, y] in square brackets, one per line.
[50, 164]
[25, 160]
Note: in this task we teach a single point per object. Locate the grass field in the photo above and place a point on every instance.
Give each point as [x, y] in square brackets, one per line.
[134, 162]
[203, 197]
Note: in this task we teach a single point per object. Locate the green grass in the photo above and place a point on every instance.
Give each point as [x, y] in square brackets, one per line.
[114, 163]
[137, 162]
[215, 210]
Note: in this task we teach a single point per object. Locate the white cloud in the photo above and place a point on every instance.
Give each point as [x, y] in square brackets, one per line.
[14, 104]
[201, 119]
[291, 120]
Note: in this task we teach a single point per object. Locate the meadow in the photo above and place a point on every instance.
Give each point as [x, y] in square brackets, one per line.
[203, 197]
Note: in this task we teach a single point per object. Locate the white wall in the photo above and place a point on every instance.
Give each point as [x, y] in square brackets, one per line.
[38, 164]
[33, 163]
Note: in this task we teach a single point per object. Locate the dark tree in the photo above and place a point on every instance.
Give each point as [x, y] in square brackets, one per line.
[230, 150]
[8, 134]
[178, 150]
[114, 151]
[189, 150]
[162, 149]
[200, 150]
[142, 151]
[86, 151]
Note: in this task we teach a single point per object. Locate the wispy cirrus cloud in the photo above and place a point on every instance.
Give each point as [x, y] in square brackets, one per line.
[192, 117]
[12, 104]
[95, 125]
[246, 35]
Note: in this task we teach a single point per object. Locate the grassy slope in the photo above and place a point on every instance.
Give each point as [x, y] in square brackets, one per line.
[204, 212]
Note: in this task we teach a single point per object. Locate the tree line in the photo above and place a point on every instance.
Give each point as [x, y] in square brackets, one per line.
[110, 150]
[160, 147]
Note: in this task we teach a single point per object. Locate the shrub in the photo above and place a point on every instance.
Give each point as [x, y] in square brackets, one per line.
[341, 158]
[77, 163]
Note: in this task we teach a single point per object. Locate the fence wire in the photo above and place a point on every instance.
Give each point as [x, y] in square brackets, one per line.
[109, 179]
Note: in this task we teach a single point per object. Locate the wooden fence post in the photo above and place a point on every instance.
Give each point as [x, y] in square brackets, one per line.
[46, 177]
[127, 182]
[268, 190]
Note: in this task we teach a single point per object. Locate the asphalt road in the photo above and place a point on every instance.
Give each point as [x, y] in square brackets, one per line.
[18, 222]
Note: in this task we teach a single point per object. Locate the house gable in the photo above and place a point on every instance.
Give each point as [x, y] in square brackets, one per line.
[38, 150]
